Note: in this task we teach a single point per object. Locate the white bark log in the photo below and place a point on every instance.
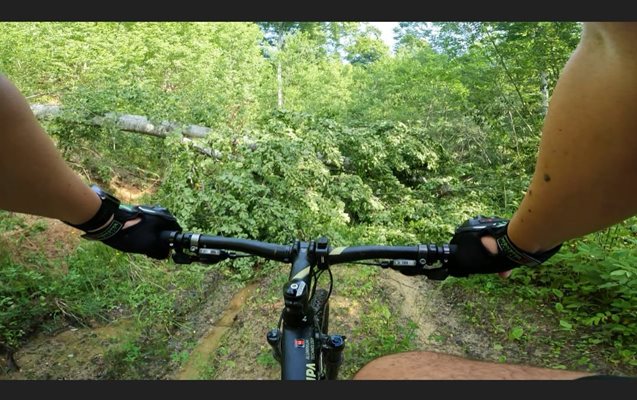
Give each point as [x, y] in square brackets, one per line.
[141, 124]
[128, 122]
[137, 124]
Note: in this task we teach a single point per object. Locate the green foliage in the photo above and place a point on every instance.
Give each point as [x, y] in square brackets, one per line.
[21, 301]
[300, 176]
[368, 148]
[367, 47]
[598, 293]
[10, 221]
[415, 85]
[272, 192]
[210, 74]
[516, 333]
[587, 290]
[267, 359]
[98, 280]
[518, 65]
[314, 82]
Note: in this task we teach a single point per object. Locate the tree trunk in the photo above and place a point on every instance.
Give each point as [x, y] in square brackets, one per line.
[545, 92]
[279, 72]
[141, 124]
[279, 81]
[128, 122]
[136, 124]
[508, 73]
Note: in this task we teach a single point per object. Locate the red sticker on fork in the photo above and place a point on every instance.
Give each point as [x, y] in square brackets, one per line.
[299, 343]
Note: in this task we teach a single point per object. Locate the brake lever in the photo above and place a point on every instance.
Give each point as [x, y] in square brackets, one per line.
[203, 255]
[211, 256]
[437, 274]
[182, 258]
[413, 268]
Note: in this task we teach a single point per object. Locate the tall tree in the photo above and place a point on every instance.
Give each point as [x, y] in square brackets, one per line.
[366, 46]
[521, 60]
[275, 35]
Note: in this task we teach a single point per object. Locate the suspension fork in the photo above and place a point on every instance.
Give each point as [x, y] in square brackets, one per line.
[332, 349]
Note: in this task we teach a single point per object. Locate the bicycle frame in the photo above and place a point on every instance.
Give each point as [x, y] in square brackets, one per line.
[303, 351]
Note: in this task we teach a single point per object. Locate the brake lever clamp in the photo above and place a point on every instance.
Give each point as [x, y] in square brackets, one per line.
[405, 267]
[211, 256]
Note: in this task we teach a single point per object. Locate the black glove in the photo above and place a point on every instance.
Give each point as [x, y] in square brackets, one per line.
[142, 238]
[472, 257]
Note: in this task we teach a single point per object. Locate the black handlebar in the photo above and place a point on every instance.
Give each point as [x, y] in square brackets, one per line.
[424, 254]
[196, 241]
[410, 260]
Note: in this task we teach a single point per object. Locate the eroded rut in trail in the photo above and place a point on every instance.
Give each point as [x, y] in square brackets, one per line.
[439, 328]
[76, 353]
[208, 344]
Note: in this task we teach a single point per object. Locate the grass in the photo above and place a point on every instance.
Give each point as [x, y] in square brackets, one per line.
[526, 320]
[525, 324]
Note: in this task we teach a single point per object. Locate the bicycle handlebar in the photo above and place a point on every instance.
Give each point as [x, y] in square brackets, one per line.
[410, 260]
[423, 253]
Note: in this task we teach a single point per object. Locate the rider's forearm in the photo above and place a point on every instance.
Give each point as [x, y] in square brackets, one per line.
[586, 173]
[34, 178]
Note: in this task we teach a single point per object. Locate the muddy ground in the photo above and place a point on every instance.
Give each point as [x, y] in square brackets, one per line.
[224, 337]
[229, 331]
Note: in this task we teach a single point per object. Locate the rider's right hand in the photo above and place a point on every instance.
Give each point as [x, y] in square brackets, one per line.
[472, 257]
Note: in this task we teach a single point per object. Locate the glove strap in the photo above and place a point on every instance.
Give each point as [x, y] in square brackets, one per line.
[519, 256]
[513, 253]
[110, 205]
[111, 230]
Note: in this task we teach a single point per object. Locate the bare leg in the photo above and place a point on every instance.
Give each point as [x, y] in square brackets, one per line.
[424, 365]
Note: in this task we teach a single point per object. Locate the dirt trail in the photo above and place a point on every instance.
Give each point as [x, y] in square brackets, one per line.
[240, 331]
[439, 327]
[210, 342]
[76, 353]
[233, 321]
